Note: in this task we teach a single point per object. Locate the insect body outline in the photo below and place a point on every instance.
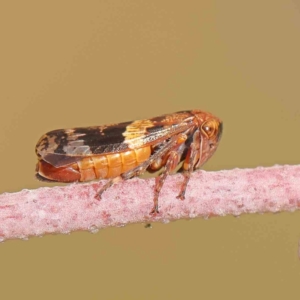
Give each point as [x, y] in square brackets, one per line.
[126, 150]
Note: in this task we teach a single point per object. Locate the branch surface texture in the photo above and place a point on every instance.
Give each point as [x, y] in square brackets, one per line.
[74, 207]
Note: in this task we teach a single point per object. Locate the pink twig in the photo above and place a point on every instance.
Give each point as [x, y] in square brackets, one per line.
[73, 207]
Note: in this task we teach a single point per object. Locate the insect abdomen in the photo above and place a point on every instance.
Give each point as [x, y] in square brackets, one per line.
[95, 167]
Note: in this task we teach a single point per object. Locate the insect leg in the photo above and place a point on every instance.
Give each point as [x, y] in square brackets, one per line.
[190, 159]
[172, 162]
[107, 185]
[137, 170]
[159, 153]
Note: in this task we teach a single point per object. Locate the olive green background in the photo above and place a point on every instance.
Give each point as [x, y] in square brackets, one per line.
[80, 63]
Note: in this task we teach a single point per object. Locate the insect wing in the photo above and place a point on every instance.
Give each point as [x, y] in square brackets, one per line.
[66, 146]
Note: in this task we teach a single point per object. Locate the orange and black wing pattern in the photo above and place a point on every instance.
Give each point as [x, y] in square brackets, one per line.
[65, 146]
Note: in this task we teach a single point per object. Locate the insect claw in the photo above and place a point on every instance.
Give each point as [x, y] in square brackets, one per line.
[154, 211]
[181, 196]
[98, 196]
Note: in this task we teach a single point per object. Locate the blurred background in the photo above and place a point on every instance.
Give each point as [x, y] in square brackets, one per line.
[70, 64]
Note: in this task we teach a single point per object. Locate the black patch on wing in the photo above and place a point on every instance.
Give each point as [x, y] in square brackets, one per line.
[64, 146]
[61, 139]
[111, 139]
[155, 129]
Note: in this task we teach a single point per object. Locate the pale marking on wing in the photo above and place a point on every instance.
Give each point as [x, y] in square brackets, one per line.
[136, 133]
[77, 147]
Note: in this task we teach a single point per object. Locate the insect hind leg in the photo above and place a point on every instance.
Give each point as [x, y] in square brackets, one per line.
[107, 185]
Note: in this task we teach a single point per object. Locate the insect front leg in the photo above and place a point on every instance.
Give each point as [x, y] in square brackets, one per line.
[187, 173]
[189, 164]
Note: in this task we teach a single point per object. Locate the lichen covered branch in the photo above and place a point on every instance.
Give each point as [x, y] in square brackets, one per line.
[74, 207]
